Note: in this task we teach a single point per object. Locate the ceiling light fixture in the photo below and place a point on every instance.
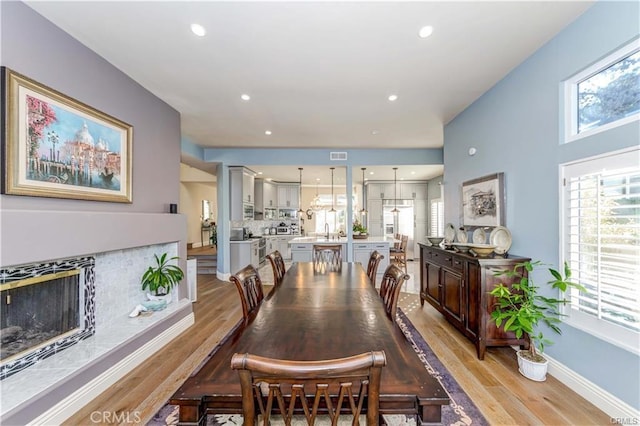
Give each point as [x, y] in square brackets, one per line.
[375, 132]
[300, 199]
[393, 97]
[333, 210]
[425, 31]
[198, 30]
[245, 97]
[364, 201]
[395, 191]
[267, 132]
[315, 203]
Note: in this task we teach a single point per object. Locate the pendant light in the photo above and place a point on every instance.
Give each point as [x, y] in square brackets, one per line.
[300, 211]
[395, 191]
[364, 204]
[315, 205]
[333, 210]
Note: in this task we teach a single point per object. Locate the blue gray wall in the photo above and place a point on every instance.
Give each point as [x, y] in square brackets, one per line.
[516, 128]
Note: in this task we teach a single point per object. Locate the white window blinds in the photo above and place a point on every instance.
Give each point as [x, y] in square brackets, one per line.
[601, 234]
[437, 218]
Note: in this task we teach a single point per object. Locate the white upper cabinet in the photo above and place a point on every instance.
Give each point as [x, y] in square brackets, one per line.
[241, 192]
[288, 196]
[413, 191]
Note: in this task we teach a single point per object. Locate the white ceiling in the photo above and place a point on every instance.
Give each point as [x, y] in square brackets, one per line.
[319, 73]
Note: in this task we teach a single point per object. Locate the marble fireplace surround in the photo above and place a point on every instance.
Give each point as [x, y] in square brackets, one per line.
[123, 246]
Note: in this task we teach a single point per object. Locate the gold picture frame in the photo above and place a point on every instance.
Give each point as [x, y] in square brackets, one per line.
[56, 146]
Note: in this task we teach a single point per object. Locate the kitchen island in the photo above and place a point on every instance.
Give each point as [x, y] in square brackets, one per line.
[302, 249]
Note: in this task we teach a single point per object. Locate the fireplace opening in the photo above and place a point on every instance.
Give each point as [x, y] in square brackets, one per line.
[37, 310]
[44, 309]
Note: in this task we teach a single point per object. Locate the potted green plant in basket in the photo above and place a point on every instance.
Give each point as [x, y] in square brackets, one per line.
[520, 308]
[359, 231]
[160, 279]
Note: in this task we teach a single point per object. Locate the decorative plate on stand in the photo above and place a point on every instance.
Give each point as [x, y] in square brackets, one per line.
[479, 236]
[501, 238]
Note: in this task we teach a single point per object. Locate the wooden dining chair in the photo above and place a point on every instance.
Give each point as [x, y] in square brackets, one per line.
[392, 281]
[332, 387]
[249, 286]
[399, 257]
[372, 266]
[328, 254]
[396, 243]
[277, 264]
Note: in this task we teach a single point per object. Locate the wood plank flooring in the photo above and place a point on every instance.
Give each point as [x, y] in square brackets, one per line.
[503, 396]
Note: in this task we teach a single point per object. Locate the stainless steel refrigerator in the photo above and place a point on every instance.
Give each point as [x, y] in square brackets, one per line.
[400, 222]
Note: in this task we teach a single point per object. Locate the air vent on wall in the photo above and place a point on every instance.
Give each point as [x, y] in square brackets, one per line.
[338, 156]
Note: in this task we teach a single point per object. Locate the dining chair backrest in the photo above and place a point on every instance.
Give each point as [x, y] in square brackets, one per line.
[396, 243]
[392, 281]
[399, 256]
[249, 286]
[329, 254]
[372, 267]
[278, 385]
[277, 265]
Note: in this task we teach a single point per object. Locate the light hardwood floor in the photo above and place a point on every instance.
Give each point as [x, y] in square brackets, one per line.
[503, 396]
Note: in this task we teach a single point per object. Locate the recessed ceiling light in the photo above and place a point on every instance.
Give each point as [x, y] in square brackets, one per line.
[393, 97]
[198, 30]
[245, 97]
[375, 132]
[413, 172]
[370, 173]
[401, 178]
[425, 31]
[267, 132]
[259, 173]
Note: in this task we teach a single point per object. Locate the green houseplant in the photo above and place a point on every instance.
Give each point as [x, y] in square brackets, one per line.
[520, 308]
[358, 228]
[161, 277]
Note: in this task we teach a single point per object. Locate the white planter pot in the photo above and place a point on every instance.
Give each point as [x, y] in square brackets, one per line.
[532, 370]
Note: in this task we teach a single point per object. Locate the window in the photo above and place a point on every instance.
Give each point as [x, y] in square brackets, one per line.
[437, 217]
[605, 95]
[337, 220]
[601, 243]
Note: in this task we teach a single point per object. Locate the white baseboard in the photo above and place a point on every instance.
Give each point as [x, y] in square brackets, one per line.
[610, 404]
[223, 276]
[81, 397]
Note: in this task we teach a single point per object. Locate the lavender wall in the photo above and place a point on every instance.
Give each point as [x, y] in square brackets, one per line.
[33, 46]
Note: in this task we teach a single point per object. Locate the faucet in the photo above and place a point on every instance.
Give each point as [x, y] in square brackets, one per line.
[326, 228]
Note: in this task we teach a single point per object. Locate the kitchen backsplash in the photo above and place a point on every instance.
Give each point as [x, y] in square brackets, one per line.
[257, 227]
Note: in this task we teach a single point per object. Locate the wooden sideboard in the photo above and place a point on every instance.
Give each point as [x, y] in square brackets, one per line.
[458, 286]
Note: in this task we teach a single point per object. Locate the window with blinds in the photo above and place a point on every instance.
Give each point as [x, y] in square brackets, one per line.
[437, 217]
[601, 239]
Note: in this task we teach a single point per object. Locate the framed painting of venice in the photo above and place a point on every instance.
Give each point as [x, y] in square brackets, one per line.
[56, 146]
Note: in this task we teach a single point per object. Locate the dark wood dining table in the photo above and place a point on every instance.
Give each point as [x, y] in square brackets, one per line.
[316, 314]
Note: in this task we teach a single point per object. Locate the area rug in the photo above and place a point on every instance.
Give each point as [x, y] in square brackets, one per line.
[461, 410]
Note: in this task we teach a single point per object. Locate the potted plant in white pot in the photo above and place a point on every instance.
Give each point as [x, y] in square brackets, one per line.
[160, 279]
[520, 308]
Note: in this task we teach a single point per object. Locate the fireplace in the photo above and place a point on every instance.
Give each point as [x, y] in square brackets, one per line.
[44, 308]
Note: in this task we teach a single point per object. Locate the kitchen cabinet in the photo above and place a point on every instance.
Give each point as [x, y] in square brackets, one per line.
[244, 253]
[288, 196]
[362, 252]
[412, 191]
[380, 191]
[458, 286]
[375, 218]
[266, 200]
[282, 245]
[241, 193]
[301, 253]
